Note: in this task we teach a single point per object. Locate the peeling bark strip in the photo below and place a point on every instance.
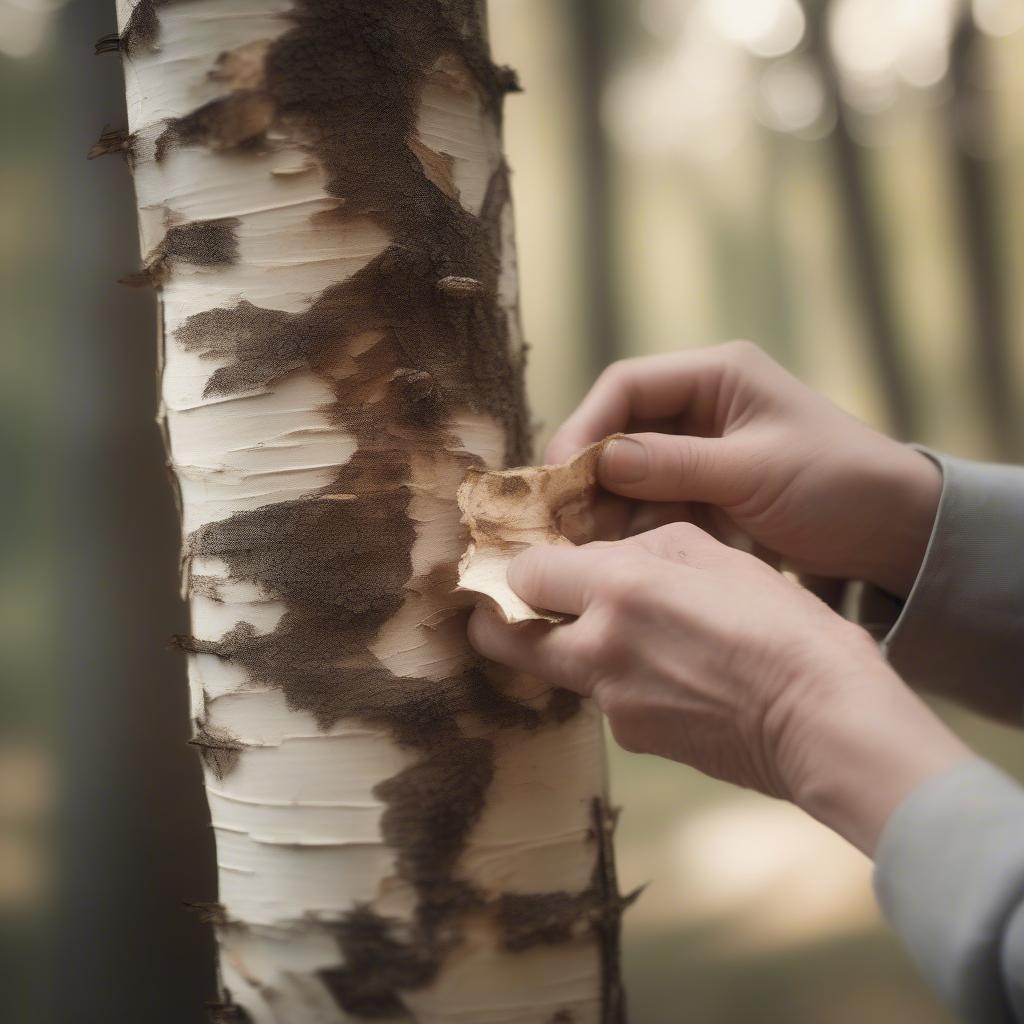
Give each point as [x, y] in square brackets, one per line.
[219, 752]
[111, 140]
[109, 43]
[510, 510]
[387, 829]
[227, 1013]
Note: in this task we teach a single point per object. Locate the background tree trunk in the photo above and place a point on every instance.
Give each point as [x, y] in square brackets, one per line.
[402, 832]
[132, 837]
[970, 123]
[865, 250]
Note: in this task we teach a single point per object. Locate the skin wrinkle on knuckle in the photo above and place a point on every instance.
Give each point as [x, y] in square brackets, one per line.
[682, 458]
[681, 535]
[760, 463]
[758, 507]
[741, 369]
[617, 376]
[623, 589]
[742, 350]
[599, 545]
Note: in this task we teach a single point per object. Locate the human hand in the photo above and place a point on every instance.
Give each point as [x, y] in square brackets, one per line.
[703, 654]
[728, 427]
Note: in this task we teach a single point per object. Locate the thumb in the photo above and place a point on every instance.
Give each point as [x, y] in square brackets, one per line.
[673, 467]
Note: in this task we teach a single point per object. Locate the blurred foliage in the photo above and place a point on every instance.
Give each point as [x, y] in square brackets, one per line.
[28, 238]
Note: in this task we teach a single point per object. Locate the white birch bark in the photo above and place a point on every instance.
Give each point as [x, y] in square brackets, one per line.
[435, 862]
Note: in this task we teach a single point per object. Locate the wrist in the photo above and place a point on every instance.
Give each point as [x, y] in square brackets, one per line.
[868, 744]
[908, 485]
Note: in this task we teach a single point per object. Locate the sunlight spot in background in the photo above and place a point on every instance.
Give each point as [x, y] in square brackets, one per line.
[683, 105]
[763, 875]
[767, 28]
[25, 25]
[717, 61]
[790, 98]
[693, 99]
[690, 100]
[999, 17]
[880, 45]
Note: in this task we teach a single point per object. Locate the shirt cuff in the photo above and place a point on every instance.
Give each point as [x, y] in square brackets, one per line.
[949, 875]
[960, 632]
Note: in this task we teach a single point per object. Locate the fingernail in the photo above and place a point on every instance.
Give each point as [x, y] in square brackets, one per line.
[625, 461]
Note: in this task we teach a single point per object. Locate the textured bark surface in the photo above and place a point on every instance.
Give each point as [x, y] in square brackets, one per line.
[403, 832]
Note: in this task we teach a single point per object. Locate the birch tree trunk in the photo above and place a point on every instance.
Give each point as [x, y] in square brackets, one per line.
[403, 833]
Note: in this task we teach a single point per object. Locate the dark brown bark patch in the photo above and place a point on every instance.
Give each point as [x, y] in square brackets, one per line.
[514, 487]
[431, 808]
[379, 963]
[208, 243]
[143, 26]
[545, 919]
[219, 751]
[237, 120]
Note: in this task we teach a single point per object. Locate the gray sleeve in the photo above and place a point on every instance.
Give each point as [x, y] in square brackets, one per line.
[960, 633]
[949, 876]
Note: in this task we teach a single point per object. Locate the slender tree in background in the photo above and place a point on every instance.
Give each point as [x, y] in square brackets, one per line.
[865, 253]
[403, 833]
[970, 123]
[589, 28]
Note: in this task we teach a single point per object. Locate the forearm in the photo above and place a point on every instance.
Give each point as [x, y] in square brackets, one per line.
[901, 496]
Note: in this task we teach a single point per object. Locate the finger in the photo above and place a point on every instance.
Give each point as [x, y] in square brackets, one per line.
[646, 388]
[557, 579]
[518, 646]
[686, 544]
[538, 649]
[670, 467]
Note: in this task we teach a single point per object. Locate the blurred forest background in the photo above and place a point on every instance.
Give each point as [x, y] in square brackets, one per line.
[841, 181]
